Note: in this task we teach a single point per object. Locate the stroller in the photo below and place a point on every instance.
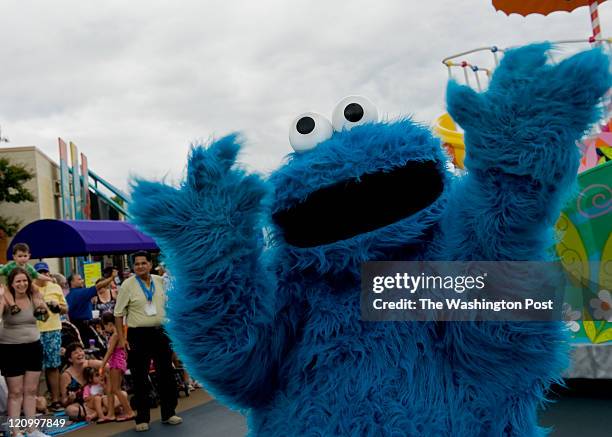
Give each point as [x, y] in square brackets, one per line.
[94, 344]
[97, 343]
[70, 334]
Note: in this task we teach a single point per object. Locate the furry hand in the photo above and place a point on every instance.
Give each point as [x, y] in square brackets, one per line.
[533, 112]
[215, 197]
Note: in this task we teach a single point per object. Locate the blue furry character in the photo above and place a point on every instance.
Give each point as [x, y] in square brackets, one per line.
[276, 332]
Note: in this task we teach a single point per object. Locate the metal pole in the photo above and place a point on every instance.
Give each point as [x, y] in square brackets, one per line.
[467, 79]
[595, 26]
[477, 80]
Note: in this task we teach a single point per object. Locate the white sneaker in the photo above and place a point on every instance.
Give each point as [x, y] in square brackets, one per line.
[37, 433]
[141, 427]
[172, 420]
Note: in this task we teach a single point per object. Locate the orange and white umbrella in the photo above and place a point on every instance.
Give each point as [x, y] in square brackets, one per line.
[545, 7]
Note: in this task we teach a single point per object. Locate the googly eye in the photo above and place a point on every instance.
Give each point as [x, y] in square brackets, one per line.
[308, 130]
[352, 111]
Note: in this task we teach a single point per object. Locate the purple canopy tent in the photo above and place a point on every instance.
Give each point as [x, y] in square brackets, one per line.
[70, 238]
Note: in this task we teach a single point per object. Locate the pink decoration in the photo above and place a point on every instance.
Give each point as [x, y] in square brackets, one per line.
[589, 155]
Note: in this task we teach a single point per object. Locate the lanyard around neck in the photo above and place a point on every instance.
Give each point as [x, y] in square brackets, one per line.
[148, 292]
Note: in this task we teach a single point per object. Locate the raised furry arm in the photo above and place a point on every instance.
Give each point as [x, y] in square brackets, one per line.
[522, 160]
[521, 151]
[221, 305]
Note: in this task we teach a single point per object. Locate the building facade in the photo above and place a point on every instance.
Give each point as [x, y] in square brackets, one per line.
[44, 186]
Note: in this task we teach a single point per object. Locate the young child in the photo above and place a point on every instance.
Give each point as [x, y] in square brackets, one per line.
[93, 395]
[21, 256]
[117, 362]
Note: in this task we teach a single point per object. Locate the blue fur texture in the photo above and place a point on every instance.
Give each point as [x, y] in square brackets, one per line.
[275, 330]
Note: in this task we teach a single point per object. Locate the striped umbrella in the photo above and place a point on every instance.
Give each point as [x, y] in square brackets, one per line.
[545, 7]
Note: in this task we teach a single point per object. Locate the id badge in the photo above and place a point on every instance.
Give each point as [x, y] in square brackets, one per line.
[150, 309]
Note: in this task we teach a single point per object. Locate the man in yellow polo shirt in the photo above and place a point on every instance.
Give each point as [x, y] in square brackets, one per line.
[141, 300]
[51, 332]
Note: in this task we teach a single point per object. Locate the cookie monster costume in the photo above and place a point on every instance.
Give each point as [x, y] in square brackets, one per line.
[265, 303]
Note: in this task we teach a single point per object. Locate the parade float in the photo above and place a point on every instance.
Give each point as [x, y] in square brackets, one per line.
[584, 244]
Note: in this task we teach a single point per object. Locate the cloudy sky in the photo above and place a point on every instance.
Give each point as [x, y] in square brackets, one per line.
[134, 83]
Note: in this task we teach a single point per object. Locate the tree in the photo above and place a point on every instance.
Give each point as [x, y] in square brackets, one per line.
[12, 189]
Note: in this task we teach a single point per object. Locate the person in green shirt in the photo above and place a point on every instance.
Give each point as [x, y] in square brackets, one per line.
[21, 256]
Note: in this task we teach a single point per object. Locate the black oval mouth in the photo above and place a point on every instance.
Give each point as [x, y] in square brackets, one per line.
[357, 206]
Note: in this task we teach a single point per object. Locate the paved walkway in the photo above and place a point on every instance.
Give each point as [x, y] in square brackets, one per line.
[208, 420]
[578, 416]
[570, 417]
[197, 398]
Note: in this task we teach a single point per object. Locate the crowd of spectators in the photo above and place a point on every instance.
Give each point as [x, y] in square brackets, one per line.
[85, 339]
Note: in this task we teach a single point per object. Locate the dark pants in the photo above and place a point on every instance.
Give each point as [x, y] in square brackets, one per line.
[147, 344]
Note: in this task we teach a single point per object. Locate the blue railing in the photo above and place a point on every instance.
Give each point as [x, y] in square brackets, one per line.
[95, 182]
[93, 186]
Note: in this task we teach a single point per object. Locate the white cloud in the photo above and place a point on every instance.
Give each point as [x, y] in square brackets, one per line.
[134, 83]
